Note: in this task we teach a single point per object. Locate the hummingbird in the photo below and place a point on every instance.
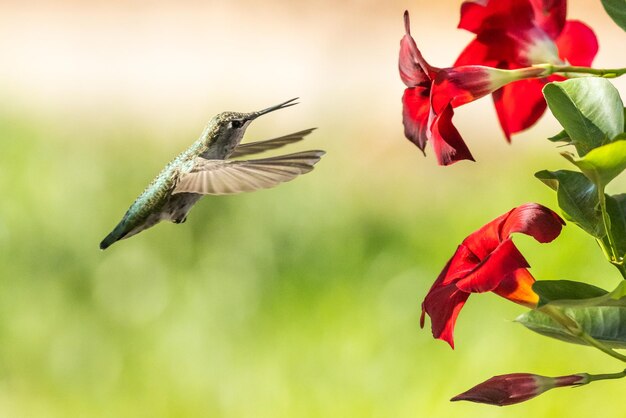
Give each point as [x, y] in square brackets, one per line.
[209, 167]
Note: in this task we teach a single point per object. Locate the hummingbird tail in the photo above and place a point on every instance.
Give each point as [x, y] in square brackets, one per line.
[108, 241]
[117, 234]
[123, 230]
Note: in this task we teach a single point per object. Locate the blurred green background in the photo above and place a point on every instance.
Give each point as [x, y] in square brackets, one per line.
[300, 301]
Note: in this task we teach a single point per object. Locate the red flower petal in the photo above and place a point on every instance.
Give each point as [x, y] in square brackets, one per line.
[518, 287]
[460, 265]
[550, 15]
[472, 16]
[478, 16]
[534, 220]
[411, 72]
[415, 113]
[447, 142]
[519, 105]
[577, 44]
[513, 15]
[414, 70]
[503, 261]
[531, 219]
[458, 86]
[443, 304]
[486, 239]
[483, 50]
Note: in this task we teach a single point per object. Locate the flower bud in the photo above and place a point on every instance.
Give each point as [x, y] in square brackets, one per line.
[514, 388]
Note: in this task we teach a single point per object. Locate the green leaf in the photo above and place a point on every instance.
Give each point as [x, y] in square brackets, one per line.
[602, 317]
[616, 208]
[619, 292]
[561, 137]
[617, 10]
[606, 324]
[577, 198]
[589, 109]
[602, 164]
[552, 290]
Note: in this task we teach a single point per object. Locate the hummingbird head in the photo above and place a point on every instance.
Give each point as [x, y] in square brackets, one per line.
[232, 125]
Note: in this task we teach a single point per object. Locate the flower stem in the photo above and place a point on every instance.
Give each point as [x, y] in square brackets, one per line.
[604, 249]
[601, 72]
[607, 225]
[597, 344]
[605, 376]
[614, 257]
[618, 264]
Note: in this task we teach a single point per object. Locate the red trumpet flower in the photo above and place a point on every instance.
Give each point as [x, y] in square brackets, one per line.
[519, 33]
[489, 261]
[433, 92]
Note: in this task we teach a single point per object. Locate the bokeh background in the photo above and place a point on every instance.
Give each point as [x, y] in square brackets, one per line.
[300, 301]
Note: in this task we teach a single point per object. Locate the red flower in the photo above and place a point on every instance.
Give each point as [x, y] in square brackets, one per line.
[519, 33]
[432, 93]
[488, 261]
[514, 388]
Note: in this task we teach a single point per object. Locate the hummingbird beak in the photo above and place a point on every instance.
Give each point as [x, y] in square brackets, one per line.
[283, 105]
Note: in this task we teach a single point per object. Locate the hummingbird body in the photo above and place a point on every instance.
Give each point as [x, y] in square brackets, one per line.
[204, 169]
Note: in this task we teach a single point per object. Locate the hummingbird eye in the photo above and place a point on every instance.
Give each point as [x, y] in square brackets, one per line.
[236, 124]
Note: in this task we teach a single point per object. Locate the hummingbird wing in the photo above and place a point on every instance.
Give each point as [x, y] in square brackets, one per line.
[269, 144]
[218, 177]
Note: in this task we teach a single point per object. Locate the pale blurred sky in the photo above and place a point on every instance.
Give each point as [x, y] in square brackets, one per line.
[178, 62]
